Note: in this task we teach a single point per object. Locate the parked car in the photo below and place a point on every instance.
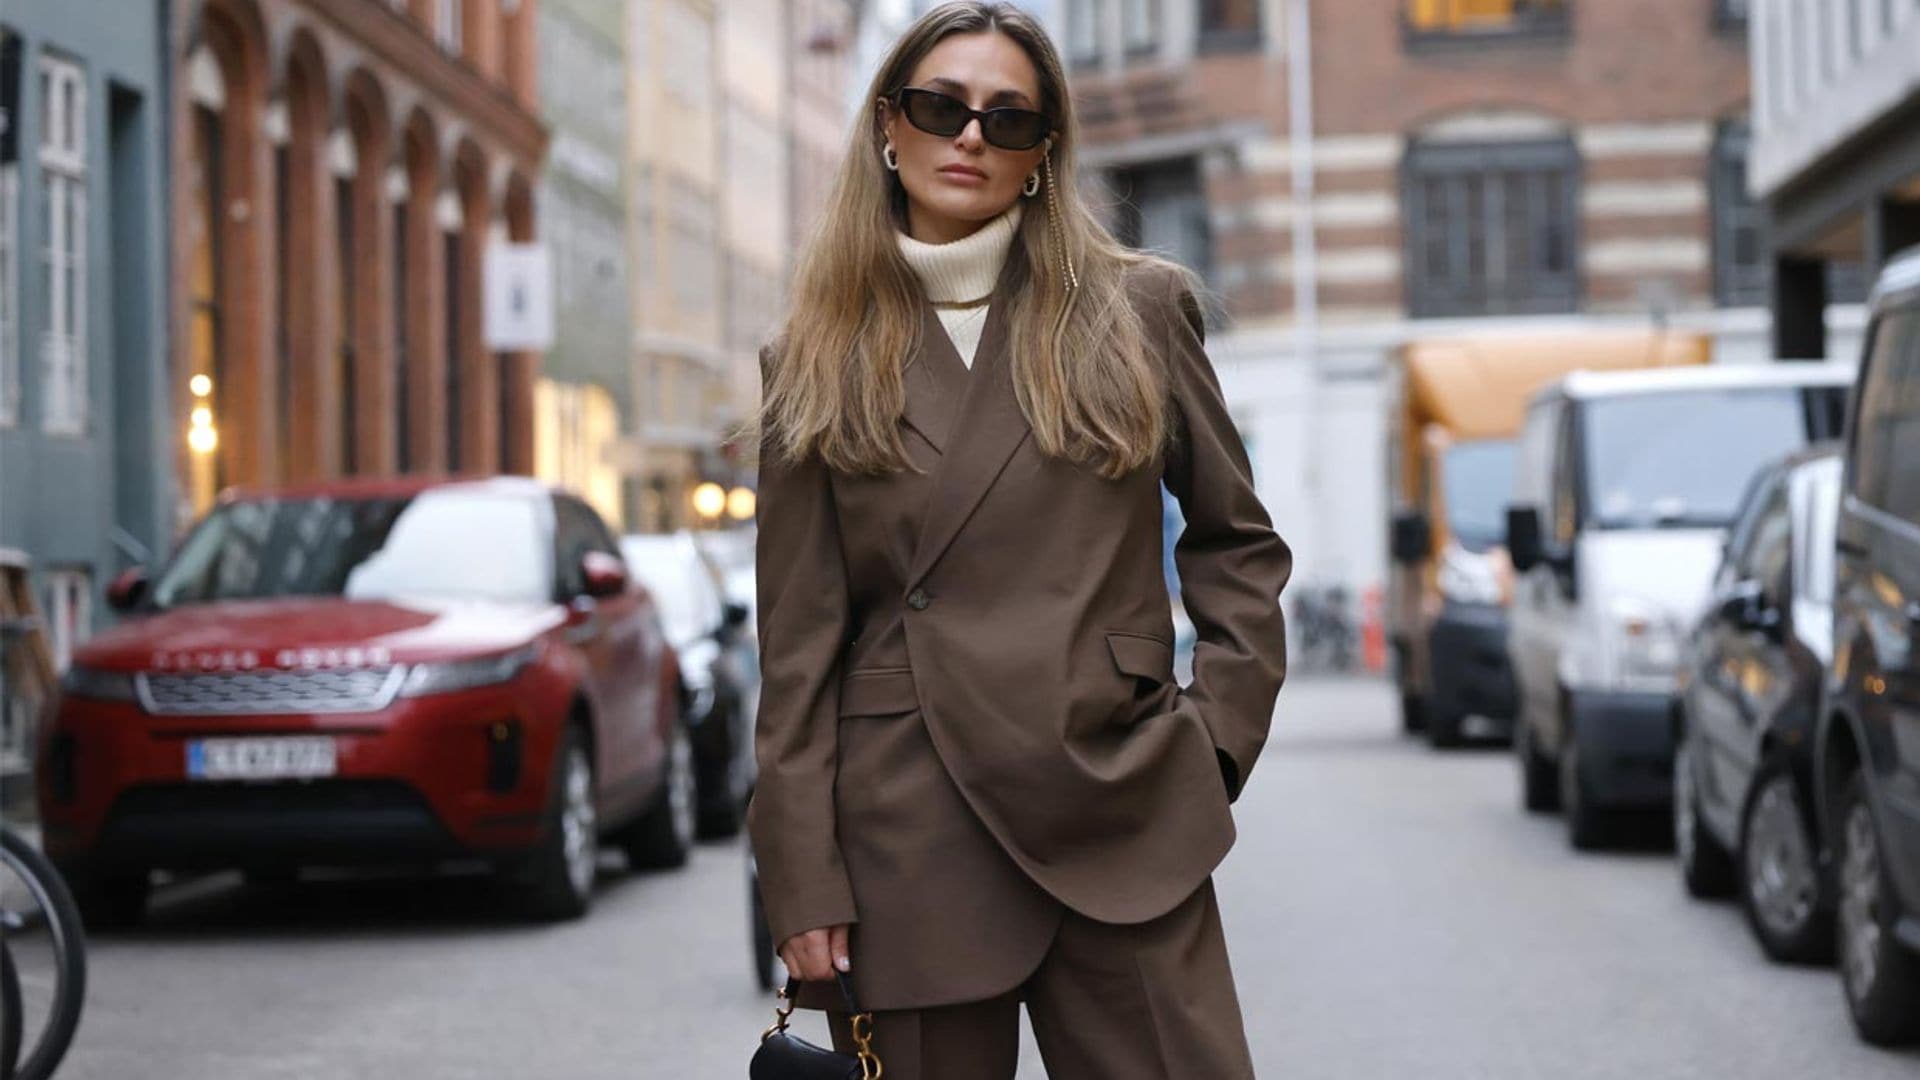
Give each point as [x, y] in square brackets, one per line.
[1625, 484]
[1867, 747]
[719, 670]
[373, 673]
[1750, 695]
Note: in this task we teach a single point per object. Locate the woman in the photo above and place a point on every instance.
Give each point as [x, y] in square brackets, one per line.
[980, 784]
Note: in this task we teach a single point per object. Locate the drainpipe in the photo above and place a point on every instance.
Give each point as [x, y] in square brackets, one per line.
[1306, 285]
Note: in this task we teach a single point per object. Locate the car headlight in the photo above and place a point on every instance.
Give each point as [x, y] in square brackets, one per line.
[1467, 578]
[97, 684]
[444, 677]
[1641, 647]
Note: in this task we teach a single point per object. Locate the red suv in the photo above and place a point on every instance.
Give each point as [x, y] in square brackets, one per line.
[373, 673]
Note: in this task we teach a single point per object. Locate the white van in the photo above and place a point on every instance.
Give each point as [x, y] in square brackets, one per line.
[1623, 490]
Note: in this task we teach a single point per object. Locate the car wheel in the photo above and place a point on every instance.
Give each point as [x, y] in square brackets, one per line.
[1539, 787]
[1781, 887]
[1443, 728]
[560, 875]
[721, 812]
[663, 837]
[1881, 978]
[1586, 824]
[1706, 868]
[108, 901]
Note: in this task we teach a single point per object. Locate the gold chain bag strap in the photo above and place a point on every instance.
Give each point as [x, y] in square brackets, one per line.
[782, 1055]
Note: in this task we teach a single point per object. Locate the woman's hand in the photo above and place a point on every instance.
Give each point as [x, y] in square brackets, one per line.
[814, 955]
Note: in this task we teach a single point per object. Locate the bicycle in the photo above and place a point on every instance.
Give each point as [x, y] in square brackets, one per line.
[34, 900]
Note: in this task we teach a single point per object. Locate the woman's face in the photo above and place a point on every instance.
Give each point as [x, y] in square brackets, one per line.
[957, 183]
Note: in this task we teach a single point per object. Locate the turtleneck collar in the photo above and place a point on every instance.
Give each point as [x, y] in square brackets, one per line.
[965, 269]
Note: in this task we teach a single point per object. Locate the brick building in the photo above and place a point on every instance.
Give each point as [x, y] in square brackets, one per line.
[1473, 166]
[340, 167]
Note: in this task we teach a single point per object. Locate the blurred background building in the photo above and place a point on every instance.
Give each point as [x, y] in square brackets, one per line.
[85, 479]
[584, 401]
[1836, 156]
[340, 168]
[1455, 167]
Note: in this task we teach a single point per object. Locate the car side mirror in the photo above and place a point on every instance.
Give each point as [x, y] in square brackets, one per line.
[1523, 537]
[1412, 539]
[604, 575]
[1746, 607]
[127, 589]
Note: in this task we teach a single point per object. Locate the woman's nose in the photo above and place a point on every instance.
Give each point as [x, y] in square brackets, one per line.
[970, 136]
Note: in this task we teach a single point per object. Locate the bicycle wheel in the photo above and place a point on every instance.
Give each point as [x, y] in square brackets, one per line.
[54, 911]
[11, 1020]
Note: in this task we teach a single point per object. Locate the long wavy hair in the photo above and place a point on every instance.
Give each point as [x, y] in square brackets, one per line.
[1086, 381]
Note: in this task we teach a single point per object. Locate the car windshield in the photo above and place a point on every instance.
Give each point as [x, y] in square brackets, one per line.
[1477, 478]
[437, 545]
[1682, 459]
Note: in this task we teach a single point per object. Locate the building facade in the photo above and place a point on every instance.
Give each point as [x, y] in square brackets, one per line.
[340, 168]
[1351, 176]
[584, 403]
[1836, 153]
[85, 490]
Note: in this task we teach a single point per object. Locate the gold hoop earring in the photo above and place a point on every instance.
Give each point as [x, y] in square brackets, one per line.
[1032, 186]
[1059, 231]
[891, 157]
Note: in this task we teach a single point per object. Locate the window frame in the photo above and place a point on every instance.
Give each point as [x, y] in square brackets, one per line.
[62, 157]
[449, 25]
[1524, 293]
[1216, 38]
[1732, 210]
[1142, 39]
[1084, 19]
[11, 74]
[1728, 20]
[1551, 28]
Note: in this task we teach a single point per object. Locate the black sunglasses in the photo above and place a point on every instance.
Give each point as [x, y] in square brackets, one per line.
[943, 114]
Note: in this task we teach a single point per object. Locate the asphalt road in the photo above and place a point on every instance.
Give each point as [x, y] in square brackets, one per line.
[1391, 913]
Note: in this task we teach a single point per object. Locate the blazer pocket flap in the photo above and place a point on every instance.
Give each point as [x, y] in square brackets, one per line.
[878, 693]
[1137, 654]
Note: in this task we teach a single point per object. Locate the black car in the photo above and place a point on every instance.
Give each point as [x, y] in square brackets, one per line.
[719, 668]
[1867, 754]
[1750, 694]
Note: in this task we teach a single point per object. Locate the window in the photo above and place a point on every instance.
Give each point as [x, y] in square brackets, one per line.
[577, 530]
[1492, 229]
[1084, 18]
[1740, 260]
[63, 166]
[1164, 209]
[1229, 24]
[1140, 25]
[447, 28]
[1731, 14]
[1888, 422]
[1442, 20]
[1768, 547]
[9, 231]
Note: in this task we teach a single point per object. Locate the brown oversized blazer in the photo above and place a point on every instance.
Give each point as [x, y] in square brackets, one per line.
[968, 711]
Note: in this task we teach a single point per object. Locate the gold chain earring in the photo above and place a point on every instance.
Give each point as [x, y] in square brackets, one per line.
[1059, 231]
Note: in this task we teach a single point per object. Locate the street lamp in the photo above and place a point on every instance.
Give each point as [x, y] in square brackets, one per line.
[709, 500]
[202, 437]
[740, 503]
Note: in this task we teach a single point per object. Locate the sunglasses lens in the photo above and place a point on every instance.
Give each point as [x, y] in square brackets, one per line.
[1014, 129]
[936, 114]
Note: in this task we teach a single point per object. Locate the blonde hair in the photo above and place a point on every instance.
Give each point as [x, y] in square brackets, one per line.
[1085, 379]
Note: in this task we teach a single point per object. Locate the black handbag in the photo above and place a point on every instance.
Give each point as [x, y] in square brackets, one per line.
[783, 1055]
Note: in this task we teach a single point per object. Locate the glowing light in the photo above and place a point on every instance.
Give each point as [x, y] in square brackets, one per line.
[709, 499]
[203, 440]
[740, 502]
[202, 416]
[201, 385]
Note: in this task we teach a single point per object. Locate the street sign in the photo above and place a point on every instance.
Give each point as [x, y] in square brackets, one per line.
[519, 297]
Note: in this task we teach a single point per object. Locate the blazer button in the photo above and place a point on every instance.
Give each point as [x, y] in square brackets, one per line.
[917, 600]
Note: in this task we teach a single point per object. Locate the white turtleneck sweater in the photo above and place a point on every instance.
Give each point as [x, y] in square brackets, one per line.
[964, 270]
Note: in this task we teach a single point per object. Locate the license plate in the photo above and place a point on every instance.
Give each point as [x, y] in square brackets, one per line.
[290, 758]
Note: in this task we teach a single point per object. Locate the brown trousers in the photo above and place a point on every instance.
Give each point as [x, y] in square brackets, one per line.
[1144, 1001]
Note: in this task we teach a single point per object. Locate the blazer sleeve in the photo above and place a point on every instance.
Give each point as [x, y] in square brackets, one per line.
[803, 621]
[1232, 564]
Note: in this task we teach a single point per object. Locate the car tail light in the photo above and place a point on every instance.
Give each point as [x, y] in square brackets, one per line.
[503, 755]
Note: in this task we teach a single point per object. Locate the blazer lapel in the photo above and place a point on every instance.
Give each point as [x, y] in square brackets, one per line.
[936, 380]
[985, 431]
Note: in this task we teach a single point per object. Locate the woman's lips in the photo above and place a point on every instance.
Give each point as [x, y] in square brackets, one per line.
[961, 174]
